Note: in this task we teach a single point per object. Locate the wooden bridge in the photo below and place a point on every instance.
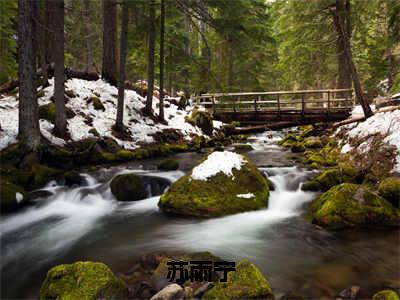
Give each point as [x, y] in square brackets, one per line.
[279, 109]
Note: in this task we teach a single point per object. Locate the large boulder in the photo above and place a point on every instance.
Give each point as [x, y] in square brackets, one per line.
[246, 282]
[343, 173]
[389, 189]
[170, 292]
[12, 196]
[201, 119]
[350, 205]
[128, 187]
[168, 164]
[386, 295]
[82, 280]
[225, 183]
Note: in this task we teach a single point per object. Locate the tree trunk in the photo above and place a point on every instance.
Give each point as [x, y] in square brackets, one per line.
[152, 41]
[341, 31]
[86, 18]
[162, 28]
[344, 76]
[57, 6]
[119, 125]
[42, 43]
[109, 69]
[28, 122]
[48, 25]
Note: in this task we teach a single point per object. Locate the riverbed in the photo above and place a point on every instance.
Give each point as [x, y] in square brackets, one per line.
[87, 223]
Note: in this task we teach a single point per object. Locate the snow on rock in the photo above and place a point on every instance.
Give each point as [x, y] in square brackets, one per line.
[358, 111]
[246, 196]
[218, 162]
[140, 127]
[385, 123]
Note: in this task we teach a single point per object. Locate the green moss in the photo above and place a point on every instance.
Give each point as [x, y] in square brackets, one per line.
[297, 147]
[168, 164]
[349, 205]
[40, 94]
[389, 189]
[70, 93]
[288, 140]
[386, 295]
[48, 112]
[312, 142]
[82, 280]
[311, 186]
[217, 195]
[244, 147]
[244, 283]
[306, 131]
[97, 104]
[8, 195]
[334, 176]
[125, 155]
[94, 132]
[42, 174]
[128, 187]
[201, 119]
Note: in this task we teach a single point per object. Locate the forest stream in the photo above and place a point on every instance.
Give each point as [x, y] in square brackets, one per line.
[87, 223]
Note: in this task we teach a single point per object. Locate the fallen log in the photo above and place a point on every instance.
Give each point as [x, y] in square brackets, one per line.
[69, 73]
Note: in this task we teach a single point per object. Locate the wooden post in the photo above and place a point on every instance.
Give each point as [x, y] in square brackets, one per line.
[234, 103]
[329, 102]
[279, 105]
[303, 105]
[255, 103]
[213, 104]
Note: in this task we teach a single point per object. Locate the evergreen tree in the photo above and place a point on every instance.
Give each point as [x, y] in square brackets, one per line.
[109, 69]
[151, 51]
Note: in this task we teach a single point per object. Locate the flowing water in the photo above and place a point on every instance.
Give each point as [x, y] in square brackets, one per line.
[87, 223]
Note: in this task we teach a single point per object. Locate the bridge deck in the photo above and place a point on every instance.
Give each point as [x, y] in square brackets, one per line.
[270, 107]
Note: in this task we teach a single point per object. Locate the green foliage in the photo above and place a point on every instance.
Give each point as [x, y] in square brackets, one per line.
[8, 44]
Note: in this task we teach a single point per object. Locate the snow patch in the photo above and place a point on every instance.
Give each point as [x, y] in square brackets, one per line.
[246, 196]
[217, 162]
[141, 128]
[19, 197]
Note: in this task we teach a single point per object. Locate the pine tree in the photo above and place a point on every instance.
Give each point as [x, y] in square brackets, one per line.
[121, 84]
[162, 28]
[57, 8]
[28, 122]
[151, 50]
[109, 69]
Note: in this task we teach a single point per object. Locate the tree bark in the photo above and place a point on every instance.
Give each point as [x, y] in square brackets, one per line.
[152, 41]
[344, 76]
[121, 84]
[57, 6]
[86, 18]
[162, 29]
[28, 122]
[42, 43]
[341, 31]
[109, 69]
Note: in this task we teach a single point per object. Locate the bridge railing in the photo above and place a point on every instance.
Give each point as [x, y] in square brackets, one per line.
[279, 102]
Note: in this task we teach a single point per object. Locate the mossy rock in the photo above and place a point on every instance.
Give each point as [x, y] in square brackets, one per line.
[40, 94]
[243, 147]
[125, 155]
[201, 119]
[289, 140]
[73, 178]
[128, 187]
[94, 132]
[70, 93]
[351, 205]
[318, 159]
[82, 280]
[344, 173]
[12, 196]
[311, 186]
[386, 295]
[97, 104]
[159, 278]
[42, 174]
[218, 195]
[297, 147]
[48, 112]
[246, 282]
[169, 164]
[389, 189]
[312, 142]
